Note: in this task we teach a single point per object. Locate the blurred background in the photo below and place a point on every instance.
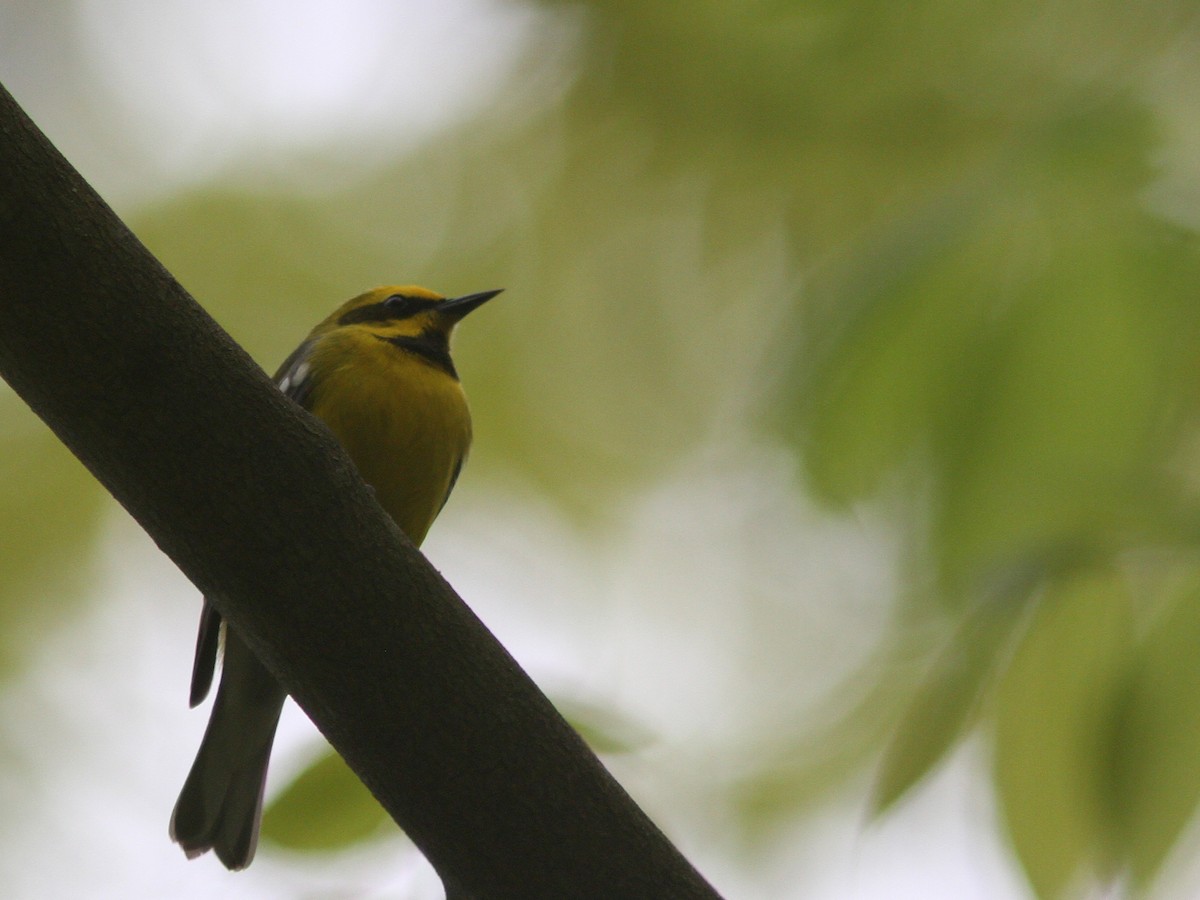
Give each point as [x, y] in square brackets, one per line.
[837, 468]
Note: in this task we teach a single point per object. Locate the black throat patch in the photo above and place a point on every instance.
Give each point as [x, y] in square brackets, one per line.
[432, 347]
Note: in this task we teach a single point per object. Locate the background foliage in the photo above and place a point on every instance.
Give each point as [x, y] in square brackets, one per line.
[911, 284]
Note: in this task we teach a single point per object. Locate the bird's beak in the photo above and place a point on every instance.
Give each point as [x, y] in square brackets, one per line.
[458, 307]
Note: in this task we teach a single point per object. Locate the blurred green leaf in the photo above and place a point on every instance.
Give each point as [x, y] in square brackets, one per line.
[1157, 743]
[1058, 435]
[325, 808]
[1053, 718]
[883, 350]
[49, 506]
[945, 703]
[798, 765]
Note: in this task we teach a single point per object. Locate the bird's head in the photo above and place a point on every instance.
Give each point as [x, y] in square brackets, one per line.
[399, 311]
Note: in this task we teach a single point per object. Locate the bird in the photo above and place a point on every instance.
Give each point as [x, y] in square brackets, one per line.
[378, 373]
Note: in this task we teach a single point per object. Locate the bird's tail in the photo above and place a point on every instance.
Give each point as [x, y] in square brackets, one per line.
[220, 806]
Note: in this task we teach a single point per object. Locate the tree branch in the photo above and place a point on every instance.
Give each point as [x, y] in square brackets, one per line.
[260, 508]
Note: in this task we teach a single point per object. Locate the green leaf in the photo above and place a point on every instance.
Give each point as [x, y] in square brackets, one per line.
[943, 706]
[1055, 440]
[49, 507]
[1053, 727]
[325, 808]
[884, 345]
[1156, 765]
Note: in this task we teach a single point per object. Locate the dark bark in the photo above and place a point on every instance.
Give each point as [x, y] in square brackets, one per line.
[259, 507]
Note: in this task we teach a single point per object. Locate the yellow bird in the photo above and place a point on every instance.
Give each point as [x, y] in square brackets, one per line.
[377, 372]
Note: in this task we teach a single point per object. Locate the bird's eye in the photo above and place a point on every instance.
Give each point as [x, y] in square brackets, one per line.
[399, 306]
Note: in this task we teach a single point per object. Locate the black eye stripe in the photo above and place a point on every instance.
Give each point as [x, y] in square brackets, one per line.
[403, 306]
[394, 308]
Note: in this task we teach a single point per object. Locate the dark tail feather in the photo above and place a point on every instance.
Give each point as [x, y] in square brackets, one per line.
[220, 806]
[207, 639]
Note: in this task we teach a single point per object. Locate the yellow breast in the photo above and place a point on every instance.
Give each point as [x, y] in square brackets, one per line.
[404, 423]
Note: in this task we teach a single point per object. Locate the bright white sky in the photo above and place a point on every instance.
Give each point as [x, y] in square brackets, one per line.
[207, 84]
